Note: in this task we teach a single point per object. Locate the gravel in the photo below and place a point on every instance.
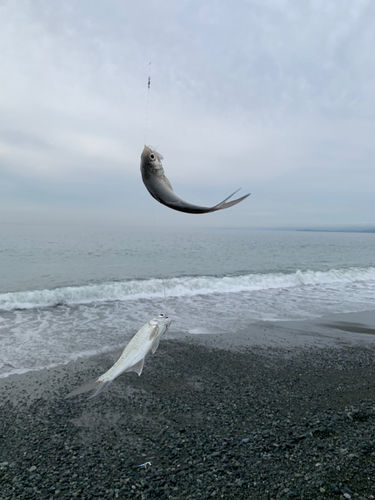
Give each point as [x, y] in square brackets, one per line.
[213, 423]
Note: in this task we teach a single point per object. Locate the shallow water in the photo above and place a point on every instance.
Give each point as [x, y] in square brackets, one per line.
[70, 291]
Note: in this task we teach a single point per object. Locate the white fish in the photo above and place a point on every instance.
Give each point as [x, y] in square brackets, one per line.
[133, 357]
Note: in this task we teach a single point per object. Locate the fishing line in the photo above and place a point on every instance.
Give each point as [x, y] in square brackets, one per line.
[161, 274]
[148, 97]
[161, 260]
[152, 203]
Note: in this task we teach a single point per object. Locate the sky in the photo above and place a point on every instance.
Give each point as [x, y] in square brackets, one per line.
[276, 97]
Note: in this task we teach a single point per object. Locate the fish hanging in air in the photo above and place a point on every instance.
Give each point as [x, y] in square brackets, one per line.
[133, 357]
[160, 188]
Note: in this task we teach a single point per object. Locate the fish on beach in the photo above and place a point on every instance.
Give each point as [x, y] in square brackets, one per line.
[160, 188]
[133, 356]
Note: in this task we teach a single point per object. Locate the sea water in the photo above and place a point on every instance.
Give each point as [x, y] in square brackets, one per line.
[71, 291]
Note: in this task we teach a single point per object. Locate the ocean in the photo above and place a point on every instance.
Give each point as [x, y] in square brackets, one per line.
[68, 291]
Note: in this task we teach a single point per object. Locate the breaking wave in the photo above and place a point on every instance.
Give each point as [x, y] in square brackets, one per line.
[178, 287]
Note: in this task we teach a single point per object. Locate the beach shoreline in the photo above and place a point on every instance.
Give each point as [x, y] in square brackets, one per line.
[214, 416]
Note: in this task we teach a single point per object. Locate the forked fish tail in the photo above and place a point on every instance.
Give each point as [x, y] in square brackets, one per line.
[96, 384]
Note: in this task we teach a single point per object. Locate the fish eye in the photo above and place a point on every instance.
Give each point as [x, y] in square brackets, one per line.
[152, 156]
[161, 315]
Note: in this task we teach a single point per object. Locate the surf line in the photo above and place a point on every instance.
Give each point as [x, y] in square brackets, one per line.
[151, 200]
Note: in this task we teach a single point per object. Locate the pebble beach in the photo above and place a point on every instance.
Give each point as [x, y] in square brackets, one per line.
[210, 417]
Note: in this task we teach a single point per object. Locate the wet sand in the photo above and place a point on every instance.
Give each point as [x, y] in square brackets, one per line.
[281, 410]
[331, 331]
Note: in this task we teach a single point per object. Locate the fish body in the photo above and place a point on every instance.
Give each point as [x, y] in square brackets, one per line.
[133, 356]
[161, 189]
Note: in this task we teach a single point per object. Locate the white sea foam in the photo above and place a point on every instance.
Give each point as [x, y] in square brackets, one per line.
[179, 287]
[35, 338]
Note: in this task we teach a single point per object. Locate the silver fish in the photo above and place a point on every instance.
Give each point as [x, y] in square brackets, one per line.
[133, 357]
[160, 188]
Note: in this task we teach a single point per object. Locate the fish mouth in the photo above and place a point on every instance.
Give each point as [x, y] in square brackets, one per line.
[164, 319]
[167, 320]
[158, 155]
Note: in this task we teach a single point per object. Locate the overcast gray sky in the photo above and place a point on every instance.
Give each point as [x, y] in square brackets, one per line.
[274, 96]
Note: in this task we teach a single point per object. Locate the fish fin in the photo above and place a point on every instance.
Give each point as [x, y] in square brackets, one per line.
[102, 386]
[117, 355]
[154, 332]
[155, 346]
[97, 384]
[138, 367]
[88, 386]
[168, 183]
[230, 196]
[223, 204]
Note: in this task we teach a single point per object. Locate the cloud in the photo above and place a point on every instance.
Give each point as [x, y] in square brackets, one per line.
[268, 95]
